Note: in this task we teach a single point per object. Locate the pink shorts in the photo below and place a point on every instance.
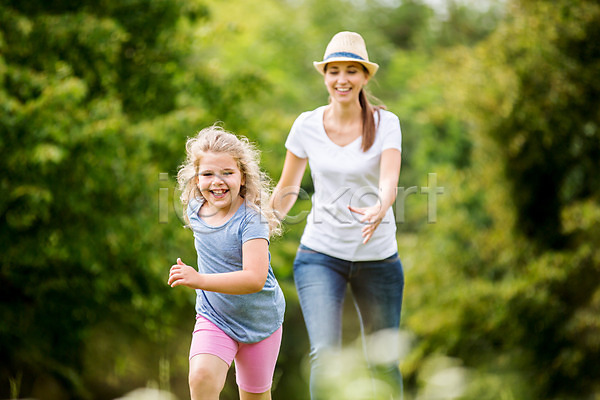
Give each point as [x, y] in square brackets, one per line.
[254, 363]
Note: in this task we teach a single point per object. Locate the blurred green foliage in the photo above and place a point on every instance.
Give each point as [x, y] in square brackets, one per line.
[499, 99]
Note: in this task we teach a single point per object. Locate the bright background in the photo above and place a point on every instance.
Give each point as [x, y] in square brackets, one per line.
[498, 101]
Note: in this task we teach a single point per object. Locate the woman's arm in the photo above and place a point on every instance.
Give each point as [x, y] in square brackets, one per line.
[286, 192]
[391, 160]
[251, 279]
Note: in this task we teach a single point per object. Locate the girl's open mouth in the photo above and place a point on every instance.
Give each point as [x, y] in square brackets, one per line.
[219, 193]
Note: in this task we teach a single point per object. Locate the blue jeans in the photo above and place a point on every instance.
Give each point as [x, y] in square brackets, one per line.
[377, 288]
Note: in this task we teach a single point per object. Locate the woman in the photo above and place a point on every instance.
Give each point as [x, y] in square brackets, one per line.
[354, 152]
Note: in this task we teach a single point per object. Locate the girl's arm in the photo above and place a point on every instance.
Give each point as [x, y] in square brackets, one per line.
[391, 159]
[251, 279]
[286, 192]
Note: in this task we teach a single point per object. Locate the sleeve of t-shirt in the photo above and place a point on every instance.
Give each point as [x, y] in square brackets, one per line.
[391, 133]
[254, 227]
[294, 142]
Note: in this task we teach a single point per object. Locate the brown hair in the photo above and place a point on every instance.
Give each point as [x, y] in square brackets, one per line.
[369, 128]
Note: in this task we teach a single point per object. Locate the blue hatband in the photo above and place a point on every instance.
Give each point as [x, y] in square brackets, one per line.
[344, 54]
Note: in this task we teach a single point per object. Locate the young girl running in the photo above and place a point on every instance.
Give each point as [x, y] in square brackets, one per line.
[239, 304]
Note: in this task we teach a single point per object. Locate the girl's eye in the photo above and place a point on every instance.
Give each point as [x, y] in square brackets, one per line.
[206, 174]
[227, 173]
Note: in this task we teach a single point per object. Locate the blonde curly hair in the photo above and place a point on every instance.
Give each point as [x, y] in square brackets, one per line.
[257, 187]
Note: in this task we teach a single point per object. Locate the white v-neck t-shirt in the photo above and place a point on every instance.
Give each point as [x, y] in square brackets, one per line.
[343, 176]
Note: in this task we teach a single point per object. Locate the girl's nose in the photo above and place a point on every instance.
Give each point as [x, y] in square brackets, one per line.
[216, 178]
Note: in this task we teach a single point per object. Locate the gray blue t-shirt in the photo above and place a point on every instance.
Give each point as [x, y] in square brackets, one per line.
[247, 318]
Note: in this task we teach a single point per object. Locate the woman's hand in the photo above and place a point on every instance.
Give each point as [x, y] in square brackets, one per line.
[371, 217]
[391, 159]
[185, 275]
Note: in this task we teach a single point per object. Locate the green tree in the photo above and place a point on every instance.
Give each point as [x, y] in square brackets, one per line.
[512, 272]
[91, 114]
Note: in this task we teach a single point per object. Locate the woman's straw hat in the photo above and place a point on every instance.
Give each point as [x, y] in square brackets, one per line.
[346, 46]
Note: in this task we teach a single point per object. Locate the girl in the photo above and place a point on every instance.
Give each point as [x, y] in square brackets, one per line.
[239, 304]
[354, 152]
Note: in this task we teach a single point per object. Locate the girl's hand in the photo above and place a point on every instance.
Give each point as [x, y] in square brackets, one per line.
[185, 275]
[371, 218]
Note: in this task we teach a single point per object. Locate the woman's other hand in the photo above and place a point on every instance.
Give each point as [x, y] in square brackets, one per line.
[371, 218]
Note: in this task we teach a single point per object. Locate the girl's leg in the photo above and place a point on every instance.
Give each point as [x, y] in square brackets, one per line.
[211, 354]
[321, 284]
[378, 288]
[207, 376]
[255, 396]
[255, 365]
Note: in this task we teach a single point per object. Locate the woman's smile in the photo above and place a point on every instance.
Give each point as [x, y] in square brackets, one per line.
[343, 90]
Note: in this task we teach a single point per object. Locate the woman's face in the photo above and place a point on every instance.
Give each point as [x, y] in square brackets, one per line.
[344, 80]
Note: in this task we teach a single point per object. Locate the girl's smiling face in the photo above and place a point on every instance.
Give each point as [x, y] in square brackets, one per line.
[219, 181]
[344, 80]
